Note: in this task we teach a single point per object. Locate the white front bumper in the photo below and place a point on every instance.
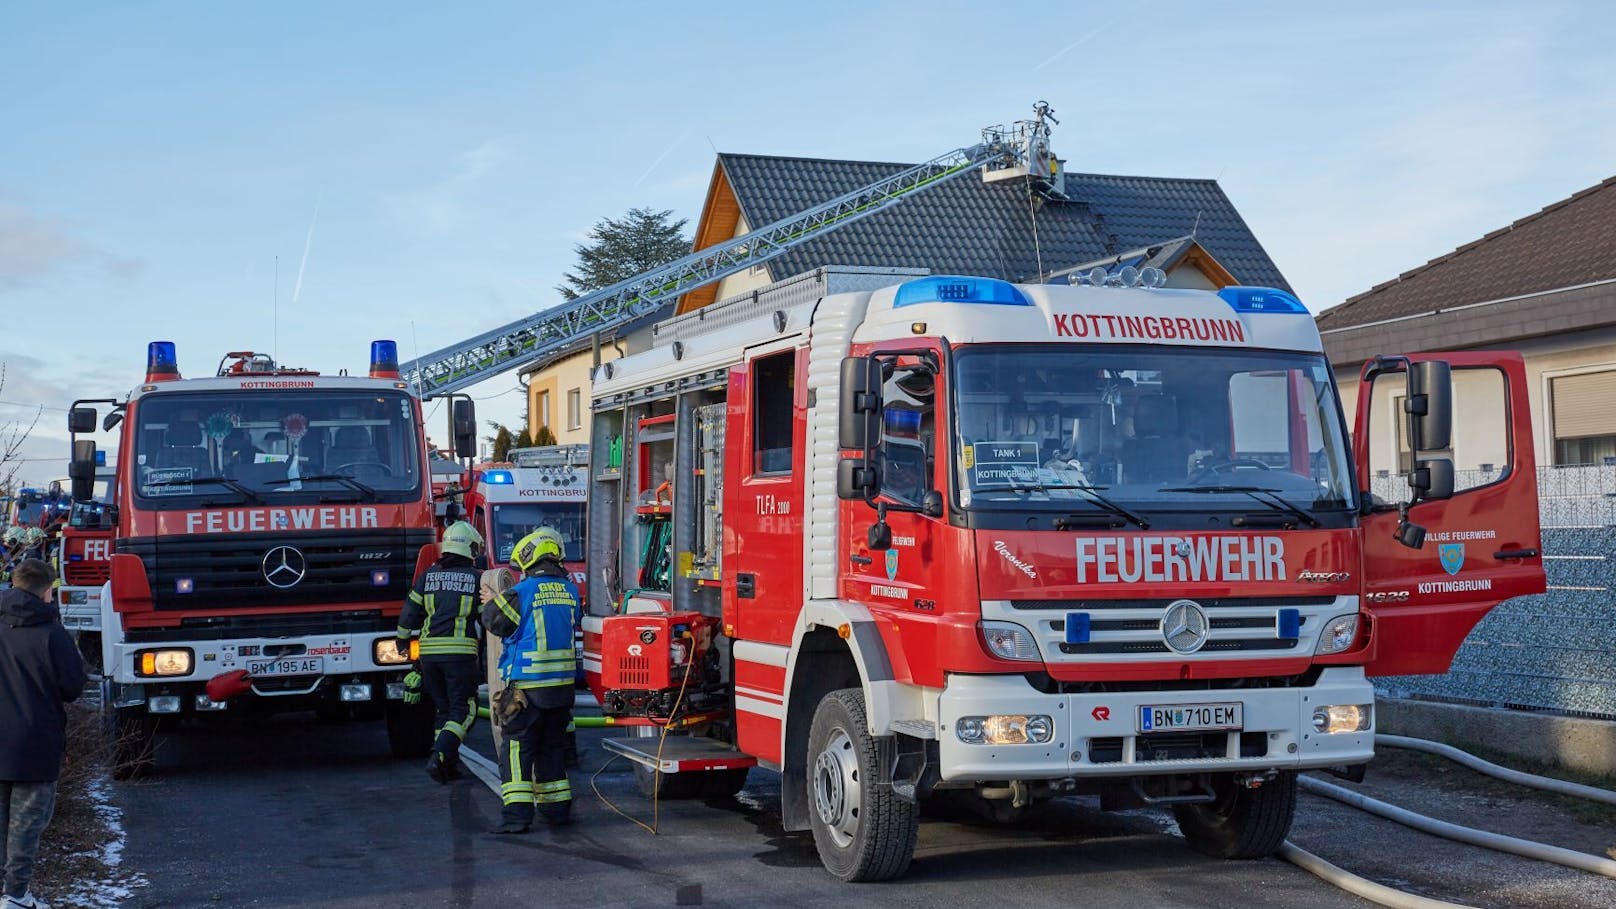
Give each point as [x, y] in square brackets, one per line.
[1095, 725]
[344, 654]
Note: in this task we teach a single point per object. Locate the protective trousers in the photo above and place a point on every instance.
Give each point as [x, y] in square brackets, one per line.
[451, 683]
[534, 769]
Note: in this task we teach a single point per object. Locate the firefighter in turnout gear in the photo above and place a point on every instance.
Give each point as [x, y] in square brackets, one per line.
[440, 614]
[535, 618]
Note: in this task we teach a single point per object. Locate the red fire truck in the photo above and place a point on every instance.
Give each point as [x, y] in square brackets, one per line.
[995, 542]
[85, 556]
[267, 523]
[536, 487]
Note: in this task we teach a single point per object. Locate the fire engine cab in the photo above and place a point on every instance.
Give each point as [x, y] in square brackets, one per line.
[1004, 542]
[538, 487]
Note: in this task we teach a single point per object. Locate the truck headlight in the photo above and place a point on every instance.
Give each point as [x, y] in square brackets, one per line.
[1338, 634]
[1009, 641]
[385, 652]
[74, 597]
[1005, 729]
[1343, 718]
[175, 661]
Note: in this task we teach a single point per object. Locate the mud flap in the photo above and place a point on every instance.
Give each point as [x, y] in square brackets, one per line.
[914, 765]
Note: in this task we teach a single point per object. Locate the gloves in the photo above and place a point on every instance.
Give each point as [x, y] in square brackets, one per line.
[412, 687]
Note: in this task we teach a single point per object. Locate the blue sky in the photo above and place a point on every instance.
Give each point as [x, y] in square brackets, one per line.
[422, 172]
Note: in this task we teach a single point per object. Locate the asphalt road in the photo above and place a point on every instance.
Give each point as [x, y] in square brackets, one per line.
[300, 813]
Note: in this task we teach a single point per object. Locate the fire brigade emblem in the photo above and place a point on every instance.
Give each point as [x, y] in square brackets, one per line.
[892, 564]
[1451, 556]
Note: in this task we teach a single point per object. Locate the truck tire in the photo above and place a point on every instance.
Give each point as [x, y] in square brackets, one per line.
[132, 736]
[862, 829]
[1241, 823]
[409, 729]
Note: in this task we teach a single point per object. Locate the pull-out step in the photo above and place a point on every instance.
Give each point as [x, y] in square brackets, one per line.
[680, 753]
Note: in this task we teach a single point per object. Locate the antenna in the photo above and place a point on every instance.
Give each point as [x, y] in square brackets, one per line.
[1196, 226]
[275, 316]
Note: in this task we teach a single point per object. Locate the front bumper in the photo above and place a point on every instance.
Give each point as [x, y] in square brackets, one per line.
[1096, 735]
[341, 656]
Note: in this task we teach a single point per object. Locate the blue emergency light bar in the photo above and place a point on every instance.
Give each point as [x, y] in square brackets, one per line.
[384, 359]
[161, 361]
[959, 289]
[498, 478]
[1261, 299]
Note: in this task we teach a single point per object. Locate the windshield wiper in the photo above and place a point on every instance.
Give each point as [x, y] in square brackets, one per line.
[1093, 493]
[232, 485]
[1261, 494]
[350, 482]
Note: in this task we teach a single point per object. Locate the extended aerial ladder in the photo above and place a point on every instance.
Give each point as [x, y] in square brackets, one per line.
[1020, 149]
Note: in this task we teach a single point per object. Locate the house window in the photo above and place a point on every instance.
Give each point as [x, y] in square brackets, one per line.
[1584, 421]
[773, 384]
[575, 409]
[544, 408]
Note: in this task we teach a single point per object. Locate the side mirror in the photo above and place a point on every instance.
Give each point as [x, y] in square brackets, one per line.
[860, 402]
[856, 479]
[931, 504]
[112, 419]
[1432, 479]
[81, 419]
[463, 427]
[81, 469]
[1429, 405]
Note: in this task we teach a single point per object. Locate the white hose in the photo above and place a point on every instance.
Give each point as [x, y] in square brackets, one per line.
[1496, 841]
[1360, 886]
[1548, 784]
[482, 768]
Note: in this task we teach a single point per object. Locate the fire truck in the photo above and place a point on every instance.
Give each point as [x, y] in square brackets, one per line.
[537, 487]
[957, 537]
[266, 525]
[84, 553]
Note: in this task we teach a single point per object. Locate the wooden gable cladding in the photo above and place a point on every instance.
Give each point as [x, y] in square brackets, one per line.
[720, 215]
[1199, 258]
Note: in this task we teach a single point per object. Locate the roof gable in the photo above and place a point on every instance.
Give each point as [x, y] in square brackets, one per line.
[967, 226]
[1566, 244]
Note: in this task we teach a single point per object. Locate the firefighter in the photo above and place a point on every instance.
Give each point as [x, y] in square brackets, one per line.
[535, 619]
[442, 611]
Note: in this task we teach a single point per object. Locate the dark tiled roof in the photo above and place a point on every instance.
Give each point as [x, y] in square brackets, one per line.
[1162, 255]
[967, 226]
[1569, 243]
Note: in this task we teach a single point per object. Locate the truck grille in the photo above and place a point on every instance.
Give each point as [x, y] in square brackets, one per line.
[225, 571]
[1177, 746]
[86, 574]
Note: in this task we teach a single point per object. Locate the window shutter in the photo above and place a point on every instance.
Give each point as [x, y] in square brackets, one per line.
[1584, 405]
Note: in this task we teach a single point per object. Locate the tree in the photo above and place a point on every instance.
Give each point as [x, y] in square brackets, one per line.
[500, 440]
[620, 248]
[13, 434]
[524, 439]
[546, 437]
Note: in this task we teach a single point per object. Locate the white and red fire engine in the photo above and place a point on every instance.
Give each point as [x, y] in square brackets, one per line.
[266, 525]
[538, 487]
[1006, 541]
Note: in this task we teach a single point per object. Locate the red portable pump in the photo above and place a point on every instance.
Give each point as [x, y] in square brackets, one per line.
[662, 665]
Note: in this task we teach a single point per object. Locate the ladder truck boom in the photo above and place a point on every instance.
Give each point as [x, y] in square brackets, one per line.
[1021, 148]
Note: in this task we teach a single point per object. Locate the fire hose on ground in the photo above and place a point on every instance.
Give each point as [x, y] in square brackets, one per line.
[1386, 896]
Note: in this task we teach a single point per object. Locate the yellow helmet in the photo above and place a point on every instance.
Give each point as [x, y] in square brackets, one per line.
[540, 544]
[462, 539]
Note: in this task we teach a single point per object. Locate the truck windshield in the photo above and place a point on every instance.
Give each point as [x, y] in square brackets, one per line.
[513, 522]
[271, 447]
[1186, 429]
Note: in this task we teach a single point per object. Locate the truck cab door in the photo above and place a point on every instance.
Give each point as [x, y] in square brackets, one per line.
[1482, 545]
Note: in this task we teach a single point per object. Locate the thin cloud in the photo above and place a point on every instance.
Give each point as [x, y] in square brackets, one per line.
[32, 248]
[297, 287]
[1087, 37]
[442, 205]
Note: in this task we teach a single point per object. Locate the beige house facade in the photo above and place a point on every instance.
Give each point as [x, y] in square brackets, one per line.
[1545, 286]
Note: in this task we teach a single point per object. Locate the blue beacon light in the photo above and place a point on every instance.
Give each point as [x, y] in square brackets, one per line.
[1261, 299]
[959, 289]
[384, 359]
[162, 363]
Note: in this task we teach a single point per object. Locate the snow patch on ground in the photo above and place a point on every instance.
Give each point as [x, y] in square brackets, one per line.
[114, 886]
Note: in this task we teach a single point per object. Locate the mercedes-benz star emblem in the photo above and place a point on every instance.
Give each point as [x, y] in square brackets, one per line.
[284, 566]
[1184, 626]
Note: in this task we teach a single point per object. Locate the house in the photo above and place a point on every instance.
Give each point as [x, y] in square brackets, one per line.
[558, 386]
[1544, 286]
[966, 226]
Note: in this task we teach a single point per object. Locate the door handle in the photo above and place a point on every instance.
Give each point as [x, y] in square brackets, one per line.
[745, 586]
[1517, 554]
[860, 559]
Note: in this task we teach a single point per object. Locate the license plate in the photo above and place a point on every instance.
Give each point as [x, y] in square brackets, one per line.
[1191, 717]
[289, 666]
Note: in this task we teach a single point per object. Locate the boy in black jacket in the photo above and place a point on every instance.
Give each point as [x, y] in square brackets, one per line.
[40, 671]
